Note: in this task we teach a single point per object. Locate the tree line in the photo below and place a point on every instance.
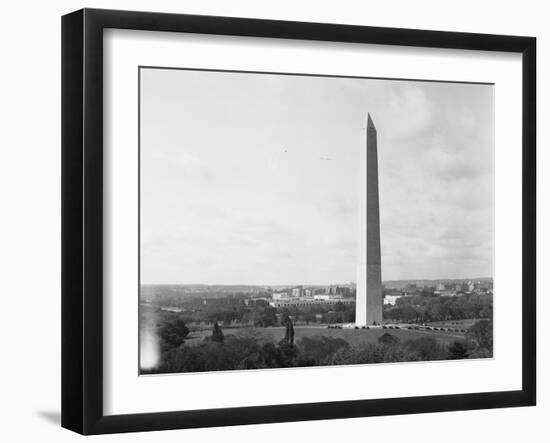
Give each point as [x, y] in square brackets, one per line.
[263, 316]
[422, 308]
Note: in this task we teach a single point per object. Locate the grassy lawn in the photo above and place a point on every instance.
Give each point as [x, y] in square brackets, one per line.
[355, 337]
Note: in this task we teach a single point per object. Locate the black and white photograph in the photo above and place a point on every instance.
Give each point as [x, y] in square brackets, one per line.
[296, 220]
[275, 221]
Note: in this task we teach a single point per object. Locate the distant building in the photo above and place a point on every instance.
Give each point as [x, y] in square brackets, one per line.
[256, 301]
[335, 297]
[307, 302]
[344, 290]
[297, 292]
[391, 299]
[340, 290]
[485, 286]
[279, 295]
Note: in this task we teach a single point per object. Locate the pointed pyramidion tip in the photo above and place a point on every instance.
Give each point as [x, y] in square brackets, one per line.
[370, 123]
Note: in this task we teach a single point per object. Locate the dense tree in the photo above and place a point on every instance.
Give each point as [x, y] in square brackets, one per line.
[482, 334]
[339, 307]
[458, 350]
[427, 348]
[333, 317]
[308, 317]
[388, 340]
[349, 316]
[289, 331]
[420, 308]
[264, 317]
[173, 332]
[217, 333]
[248, 352]
[313, 350]
[273, 357]
[369, 353]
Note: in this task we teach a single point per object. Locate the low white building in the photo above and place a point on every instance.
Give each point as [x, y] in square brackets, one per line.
[328, 297]
[391, 299]
[289, 302]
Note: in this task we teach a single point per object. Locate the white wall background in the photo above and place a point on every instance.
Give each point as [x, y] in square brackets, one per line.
[30, 221]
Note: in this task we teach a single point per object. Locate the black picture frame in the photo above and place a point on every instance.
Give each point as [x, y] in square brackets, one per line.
[82, 220]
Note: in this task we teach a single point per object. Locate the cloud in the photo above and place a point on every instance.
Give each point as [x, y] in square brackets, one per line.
[409, 110]
[159, 159]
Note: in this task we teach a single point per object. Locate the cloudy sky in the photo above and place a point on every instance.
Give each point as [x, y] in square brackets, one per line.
[253, 178]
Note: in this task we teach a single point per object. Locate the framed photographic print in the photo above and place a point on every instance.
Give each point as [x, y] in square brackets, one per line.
[317, 212]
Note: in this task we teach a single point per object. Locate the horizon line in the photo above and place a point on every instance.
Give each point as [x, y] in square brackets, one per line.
[312, 284]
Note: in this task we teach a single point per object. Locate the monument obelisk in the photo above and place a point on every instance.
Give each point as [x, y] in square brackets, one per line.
[368, 309]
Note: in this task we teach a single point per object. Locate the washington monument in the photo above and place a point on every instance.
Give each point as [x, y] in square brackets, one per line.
[369, 283]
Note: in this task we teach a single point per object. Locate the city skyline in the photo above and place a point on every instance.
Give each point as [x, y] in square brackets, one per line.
[309, 284]
[256, 184]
